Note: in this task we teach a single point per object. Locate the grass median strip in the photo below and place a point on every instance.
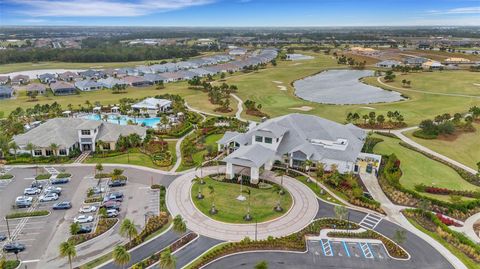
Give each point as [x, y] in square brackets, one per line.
[17, 215]
[6, 177]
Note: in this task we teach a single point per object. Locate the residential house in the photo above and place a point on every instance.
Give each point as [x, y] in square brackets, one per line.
[457, 60]
[388, 64]
[68, 76]
[20, 80]
[36, 87]
[143, 69]
[172, 76]
[47, 78]
[6, 92]
[110, 82]
[137, 81]
[153, 105]
[4, 80]
[63, 88]
[415, 61]
[154, 78]
[237, 52]
[292, 140]
[88, 85]
[92, 74]
[432, 65]
[127, 71]
[74, 133]
[201, 72]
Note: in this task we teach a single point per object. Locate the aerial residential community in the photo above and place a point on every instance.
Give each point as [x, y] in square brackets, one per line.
[239, 134]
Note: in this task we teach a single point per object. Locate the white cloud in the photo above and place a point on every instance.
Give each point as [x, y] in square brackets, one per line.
[102, 8]
[460, 10]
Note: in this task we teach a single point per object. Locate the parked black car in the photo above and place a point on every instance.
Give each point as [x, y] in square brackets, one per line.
[37, 184]
[13, 247]
[117, 183]
[62, 205]
[3, 237]
[111, 205]
[59, 181]
[114, 196]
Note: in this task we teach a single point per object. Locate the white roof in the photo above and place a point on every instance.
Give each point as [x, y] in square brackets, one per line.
[152, 103]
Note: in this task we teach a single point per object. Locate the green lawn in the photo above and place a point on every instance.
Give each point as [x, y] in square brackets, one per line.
[135, 157]
[464, 149]
[417, 168]
[231, 210]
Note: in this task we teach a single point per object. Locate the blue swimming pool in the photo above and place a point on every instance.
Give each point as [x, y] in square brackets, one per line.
[122, 120]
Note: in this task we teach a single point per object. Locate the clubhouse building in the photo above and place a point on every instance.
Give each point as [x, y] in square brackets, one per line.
[74, 133]
[292, 140]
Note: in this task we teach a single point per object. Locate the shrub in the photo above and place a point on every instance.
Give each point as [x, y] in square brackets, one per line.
[43, 177]
[6, 176]
[64, 175]
[25, 214]
[154, 224]
[104, 224]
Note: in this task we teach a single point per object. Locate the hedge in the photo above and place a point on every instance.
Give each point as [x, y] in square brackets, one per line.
[17, 215]
[6, 176]
[421, 134]
[43, 177]
[64, 175]
[12, 264]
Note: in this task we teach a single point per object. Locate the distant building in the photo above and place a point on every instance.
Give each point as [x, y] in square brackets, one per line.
[388, 64]
[20, 79]
[92, 74]
[47, 78]
[6, 92]
[432, 65]
[68, 76]
[88, 85]
[63, 88]
[110, 82]
[36, 87]
[237, 52]
[154, 78]
[457, 60]
[415, 61]
[137, 81]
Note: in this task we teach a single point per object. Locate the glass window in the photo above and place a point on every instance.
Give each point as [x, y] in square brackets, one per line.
[62, 152]
[258, 138]
[106, 146]
[268, 140]
[37, 152]
[48, 152]
[85, 132]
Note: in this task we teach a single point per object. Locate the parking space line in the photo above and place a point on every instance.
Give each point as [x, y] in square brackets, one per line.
[327, 248]
[346, 248]
[366, 250]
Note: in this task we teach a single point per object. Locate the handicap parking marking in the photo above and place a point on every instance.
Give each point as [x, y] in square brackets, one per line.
[367, 253]
[327, 248]
[346, 248]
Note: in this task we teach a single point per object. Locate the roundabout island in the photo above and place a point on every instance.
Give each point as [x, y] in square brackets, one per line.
[299, 204]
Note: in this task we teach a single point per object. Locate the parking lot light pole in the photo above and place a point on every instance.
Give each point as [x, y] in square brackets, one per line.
[8, 229]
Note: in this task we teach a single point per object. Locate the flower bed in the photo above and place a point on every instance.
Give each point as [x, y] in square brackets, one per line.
[447, 221]
[102, 175]
[432, 223]
[393, 249]
[43, 177]
[445, 191]
[25, 214]
[6, 176]
[154, 224]
[162, 159]
[104, 224]
[293, 242]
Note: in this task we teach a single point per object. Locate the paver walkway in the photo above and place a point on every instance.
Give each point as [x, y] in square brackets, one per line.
[304, 210]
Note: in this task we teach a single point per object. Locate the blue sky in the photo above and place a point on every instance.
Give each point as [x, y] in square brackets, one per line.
[240, 12]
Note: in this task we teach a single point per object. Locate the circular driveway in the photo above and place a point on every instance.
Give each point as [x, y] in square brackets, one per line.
[303, 211]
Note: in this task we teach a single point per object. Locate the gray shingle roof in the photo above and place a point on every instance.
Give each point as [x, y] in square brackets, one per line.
[251, 156]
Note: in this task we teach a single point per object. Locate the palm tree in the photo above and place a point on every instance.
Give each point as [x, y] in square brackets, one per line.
[261, 265]
[278, 206]
[14, 146]
[400, 236]
[127, 228]
[281, 173]
[213, 210]
[30, 147]
[54, 147]
[121, 256]
[340, 212]
[179, 224]
[99, 168]
[307, 165]
[74, 228]
[3, 144]
[116, 173]
[167, 260]
[197, 181]
[248, 217]
[67, 249]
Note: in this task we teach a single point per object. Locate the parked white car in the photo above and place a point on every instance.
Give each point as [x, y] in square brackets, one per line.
[48, 197]
[87, 209]
[22, 199]
[53, 189]
[112, 213]
[83, 219]
[32, 191]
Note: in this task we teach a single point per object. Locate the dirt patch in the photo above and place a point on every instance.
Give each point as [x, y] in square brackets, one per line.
[282, 88]
[302, 108]
[476, 84]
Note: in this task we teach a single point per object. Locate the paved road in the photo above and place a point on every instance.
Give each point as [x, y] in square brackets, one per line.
[303, 211]
[146, 250]
[423, 255]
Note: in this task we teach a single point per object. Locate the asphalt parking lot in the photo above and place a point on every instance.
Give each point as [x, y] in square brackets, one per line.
[344, 249]
[42, 235]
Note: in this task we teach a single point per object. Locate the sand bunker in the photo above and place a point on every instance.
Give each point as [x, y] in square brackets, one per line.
[476, 84]
[277, 82]
[342, 87]
[302, 108]
[282, 88]
[367, 107]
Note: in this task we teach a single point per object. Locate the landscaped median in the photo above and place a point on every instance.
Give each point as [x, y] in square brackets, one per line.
[27, 214]
[293, 242]
[6, 177]
[43, 177]
[457, 243]
[103, 225]
[11, 264]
